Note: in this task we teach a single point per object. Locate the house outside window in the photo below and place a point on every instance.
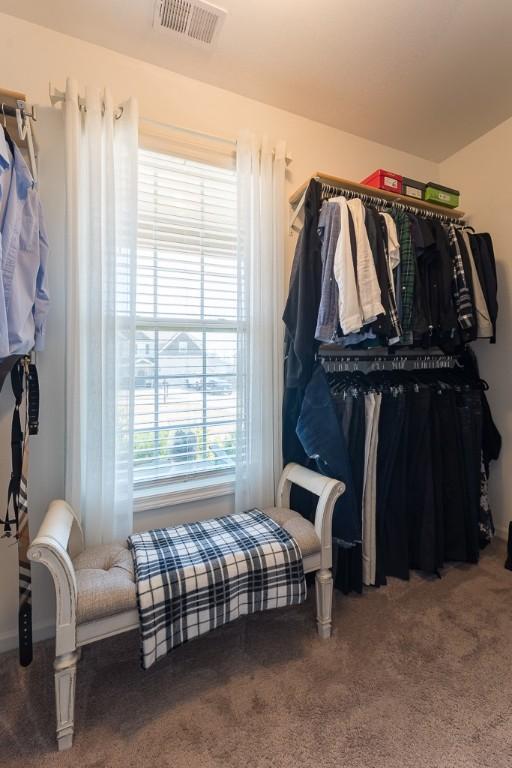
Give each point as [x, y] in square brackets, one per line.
[185, 417]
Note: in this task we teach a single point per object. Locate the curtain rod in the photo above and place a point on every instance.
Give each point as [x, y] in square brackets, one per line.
[193, 131]
[57, 96]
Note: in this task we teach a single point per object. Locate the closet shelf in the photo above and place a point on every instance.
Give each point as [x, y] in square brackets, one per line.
[379, 194]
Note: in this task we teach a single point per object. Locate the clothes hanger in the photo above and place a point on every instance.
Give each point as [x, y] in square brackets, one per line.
[25, 132]
[296, 212]
[22, 127]
[31, 153]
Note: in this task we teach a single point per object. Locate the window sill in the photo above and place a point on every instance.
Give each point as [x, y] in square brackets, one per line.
[182, 493]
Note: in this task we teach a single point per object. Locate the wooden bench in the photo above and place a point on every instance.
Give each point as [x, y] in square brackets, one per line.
[95, 587]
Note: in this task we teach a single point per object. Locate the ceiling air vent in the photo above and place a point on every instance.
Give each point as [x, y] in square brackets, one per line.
[193, 19]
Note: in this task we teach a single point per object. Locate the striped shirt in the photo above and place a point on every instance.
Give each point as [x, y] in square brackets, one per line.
[461, 293]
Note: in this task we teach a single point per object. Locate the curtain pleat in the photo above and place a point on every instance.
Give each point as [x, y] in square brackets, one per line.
[261, 186]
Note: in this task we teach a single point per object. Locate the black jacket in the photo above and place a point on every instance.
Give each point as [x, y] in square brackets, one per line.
[374, 228]
[301, 311]
[434, 284]
[300, 317]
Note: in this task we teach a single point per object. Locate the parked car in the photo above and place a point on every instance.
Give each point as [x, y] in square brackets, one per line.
[195, 383]
[213, 384]
[222, 386]
[144, 381]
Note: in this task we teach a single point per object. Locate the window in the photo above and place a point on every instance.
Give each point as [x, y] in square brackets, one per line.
[185, 382]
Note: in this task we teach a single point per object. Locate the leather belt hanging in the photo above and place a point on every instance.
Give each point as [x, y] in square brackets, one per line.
[23, 372]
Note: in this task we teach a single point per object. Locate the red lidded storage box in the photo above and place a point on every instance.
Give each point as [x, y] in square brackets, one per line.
[391, 182]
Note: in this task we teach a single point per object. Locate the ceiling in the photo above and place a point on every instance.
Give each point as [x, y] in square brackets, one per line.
[425, 77]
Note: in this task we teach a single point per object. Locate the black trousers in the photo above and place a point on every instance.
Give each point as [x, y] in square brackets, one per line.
[453, 488]
[347, 561]
[391, 420]
[470, 423]
[438, 476]
[421, 510]
[395, 530]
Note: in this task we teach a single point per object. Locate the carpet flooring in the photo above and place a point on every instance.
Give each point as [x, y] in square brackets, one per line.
[416, 675]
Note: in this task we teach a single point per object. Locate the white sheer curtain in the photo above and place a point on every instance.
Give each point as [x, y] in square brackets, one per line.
[101, 210]
[261, 216]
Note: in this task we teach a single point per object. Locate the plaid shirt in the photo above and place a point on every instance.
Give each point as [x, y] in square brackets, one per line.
[461, 293]
[407, 274]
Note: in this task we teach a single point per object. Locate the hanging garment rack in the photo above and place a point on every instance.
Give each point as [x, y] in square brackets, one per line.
[333, 185]
[336, 360]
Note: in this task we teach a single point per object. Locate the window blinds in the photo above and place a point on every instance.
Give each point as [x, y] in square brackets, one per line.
[186, 342]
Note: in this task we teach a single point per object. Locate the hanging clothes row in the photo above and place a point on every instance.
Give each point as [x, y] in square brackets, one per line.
[366, 275]
[394, 277]
[409, 445]
[413, 449]
[24, 303]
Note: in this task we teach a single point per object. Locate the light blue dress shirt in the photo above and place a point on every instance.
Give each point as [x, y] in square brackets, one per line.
[24, 297]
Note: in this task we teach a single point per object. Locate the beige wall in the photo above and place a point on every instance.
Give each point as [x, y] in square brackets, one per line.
[482, 172]
[30, 56]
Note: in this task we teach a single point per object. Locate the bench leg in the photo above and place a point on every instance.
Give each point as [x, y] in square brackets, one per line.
[324, 586]
[65, 678]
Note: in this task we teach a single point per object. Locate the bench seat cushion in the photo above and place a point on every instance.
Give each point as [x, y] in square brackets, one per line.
[105, 582]
[105, 578]
[298, 527]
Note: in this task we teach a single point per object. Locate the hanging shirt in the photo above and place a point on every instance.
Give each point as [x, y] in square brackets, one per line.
[420, 239]
[461, 292]
[407, 274]
[24, 297]
[386, 325]
[484, 325]
[6, 162]
[393, 244]
[349, 310]
[443, 312]
[365, 336]
[367, 282]
[329, 230]
[393, 257]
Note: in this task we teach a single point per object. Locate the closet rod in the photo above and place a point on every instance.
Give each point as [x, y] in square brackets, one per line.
[334, 351]
[7, 110]
[336, 361]
[364, 191]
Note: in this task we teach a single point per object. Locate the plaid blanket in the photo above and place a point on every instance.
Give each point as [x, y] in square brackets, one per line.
[195, 577]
